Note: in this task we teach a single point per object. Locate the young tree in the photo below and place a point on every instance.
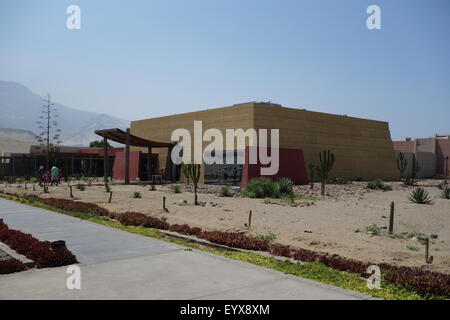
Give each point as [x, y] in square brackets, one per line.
[99, 144]
[49, 137]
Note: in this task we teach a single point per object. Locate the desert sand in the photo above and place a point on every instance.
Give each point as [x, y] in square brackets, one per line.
[335, 224]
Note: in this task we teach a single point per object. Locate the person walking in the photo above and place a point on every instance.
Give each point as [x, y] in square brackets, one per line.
[40, 175]
[55, 175]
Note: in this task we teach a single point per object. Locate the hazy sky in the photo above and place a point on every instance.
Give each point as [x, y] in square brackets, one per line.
[147, 58]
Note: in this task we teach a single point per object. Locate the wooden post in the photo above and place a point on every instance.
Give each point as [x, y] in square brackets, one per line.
[149, 164]
[127, 157]
[105, 159]
[250, 219]
[391, 219]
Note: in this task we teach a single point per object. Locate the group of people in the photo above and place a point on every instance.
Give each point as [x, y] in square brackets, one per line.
[234, 172]
[52, 177]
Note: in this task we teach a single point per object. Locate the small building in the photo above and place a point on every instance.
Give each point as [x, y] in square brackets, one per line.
[431, 154]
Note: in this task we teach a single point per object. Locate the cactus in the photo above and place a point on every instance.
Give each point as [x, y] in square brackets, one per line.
[327, 159]
[402, 163]
[164, 205]
[311, 172]
[391, 220]
[185, 169]
[194, 173]
[428, 259]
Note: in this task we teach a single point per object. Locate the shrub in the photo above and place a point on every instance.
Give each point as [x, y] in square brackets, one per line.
[374, 230]
[378, 184]
[267, 238]
[11, 266]
[420, 196]
[225, 192]
[81, 187]
[185, 229]
[72, 205]
[305, 255]
[285, 185]
[140, 219]
[175, 189]
[445, 194]
[262, 188]
[152, 188]
[281, 251]
[40, 252]
[137, 195]
[235, 240]
[443, 185]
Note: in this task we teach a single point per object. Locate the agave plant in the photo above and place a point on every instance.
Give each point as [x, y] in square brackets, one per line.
[285, 186]
[420, 196]
[445, 194]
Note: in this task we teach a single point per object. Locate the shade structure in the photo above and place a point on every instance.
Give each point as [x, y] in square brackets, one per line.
[120, 136]
[125, 137]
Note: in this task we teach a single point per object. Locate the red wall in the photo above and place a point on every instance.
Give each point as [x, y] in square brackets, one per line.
[404, 146]
[292, 166]
[119, 165]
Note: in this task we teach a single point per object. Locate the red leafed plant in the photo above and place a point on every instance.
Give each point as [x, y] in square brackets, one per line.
[11, 266]
[281, 251]
[38, 251]
[140, 219]
[235, 240]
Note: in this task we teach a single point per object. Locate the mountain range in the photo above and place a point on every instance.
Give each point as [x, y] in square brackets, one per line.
[20, 110]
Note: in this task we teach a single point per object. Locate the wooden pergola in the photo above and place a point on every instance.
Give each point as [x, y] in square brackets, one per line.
[125, 137]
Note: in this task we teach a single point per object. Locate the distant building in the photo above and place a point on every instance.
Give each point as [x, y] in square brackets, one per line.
[432, 155]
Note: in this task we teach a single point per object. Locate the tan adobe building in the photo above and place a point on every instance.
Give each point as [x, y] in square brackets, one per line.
[363, 148]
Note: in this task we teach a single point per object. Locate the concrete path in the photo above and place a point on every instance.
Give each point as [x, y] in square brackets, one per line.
[119, 265]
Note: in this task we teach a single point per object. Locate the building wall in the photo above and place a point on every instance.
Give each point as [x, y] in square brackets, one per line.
[443, 156]
[405, 146]
[426, 145]
[363, 148]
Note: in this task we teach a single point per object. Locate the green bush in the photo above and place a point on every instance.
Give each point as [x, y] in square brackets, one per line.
[225, 192]
[262, 188]
[267, 237]
[81, 187]
[175, 189]
[378, 184]
[443, 185]
[137, 195]
[445, 194]
[420, 196]
[152, 187]
[285, 186]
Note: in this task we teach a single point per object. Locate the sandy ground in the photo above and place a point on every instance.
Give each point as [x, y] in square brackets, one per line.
[335, 224]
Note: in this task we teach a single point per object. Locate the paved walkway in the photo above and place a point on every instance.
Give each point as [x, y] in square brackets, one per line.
[119, 265]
